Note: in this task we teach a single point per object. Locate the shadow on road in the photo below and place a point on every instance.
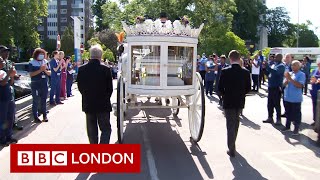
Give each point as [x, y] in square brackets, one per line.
[250, 124]
[304, 140]
[172, 158]
[243, 170]
[196, 151]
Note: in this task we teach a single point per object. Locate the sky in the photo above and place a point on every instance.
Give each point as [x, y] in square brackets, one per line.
[308, 10]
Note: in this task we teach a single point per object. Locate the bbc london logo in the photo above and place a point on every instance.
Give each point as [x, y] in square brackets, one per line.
[106, 158]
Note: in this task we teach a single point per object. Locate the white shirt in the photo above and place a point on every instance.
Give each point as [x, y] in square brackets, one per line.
[3, 75]
[255, 70]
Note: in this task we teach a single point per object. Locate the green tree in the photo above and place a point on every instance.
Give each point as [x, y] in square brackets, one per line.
[67, 41]
[19, 21]
[107, 54]
[231, 41]
[278, 26]
[218, 15]
[307, 37]
[50, 45]
[85, 55]
[97, 11]
[112, 16]
[247, 18]
[108, 39]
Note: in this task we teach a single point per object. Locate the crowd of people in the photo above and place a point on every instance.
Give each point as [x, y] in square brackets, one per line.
[56, 73]
[288, 79]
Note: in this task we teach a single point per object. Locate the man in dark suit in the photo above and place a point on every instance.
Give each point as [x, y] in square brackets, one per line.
[234, 84]
[95, 84]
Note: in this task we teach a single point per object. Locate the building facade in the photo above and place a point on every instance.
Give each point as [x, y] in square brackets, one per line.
[59, 17]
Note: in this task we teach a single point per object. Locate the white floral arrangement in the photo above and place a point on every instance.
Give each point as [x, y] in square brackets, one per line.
[156, 28]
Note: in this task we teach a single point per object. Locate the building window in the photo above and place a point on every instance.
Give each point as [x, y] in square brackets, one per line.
[63, 2]
[63, 20]
[63, 11]
[81, 35]
[81, 27]
[41, 37]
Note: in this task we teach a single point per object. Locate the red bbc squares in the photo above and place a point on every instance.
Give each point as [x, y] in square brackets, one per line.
[105, 158]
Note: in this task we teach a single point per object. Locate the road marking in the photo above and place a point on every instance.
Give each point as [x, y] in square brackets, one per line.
[151, 162]
[300, 166]
[284, 164]
[284, 167]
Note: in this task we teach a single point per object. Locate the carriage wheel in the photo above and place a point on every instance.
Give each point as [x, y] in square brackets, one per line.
[175, 102]
[196, 111]
[120, 109]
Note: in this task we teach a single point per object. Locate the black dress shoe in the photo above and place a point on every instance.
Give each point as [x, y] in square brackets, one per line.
[11, 141]
[17, 127]
[231, 153]
[39, 114]
[45, 119]
[37, 120]
[269, 120]
[60, 103]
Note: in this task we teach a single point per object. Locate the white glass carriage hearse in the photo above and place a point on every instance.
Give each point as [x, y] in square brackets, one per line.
[161, 62]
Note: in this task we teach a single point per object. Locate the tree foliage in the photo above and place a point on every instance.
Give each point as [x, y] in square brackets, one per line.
[247, 18]
[108, 39]
[217, 15]
[108, 55]
[97, 11]
[67, 41]
[278, 26]
[230, 42]
[19, 21]
[50, 45]
[307, 37]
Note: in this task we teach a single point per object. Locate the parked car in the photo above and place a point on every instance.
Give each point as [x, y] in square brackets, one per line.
[22, 86]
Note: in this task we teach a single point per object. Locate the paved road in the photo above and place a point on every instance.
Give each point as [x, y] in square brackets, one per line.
[167, 153]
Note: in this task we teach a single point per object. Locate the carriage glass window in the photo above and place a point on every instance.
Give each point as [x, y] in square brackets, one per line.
[145, 69]
[180, 66]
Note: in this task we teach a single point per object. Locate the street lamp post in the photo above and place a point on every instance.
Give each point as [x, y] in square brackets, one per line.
[298, 23]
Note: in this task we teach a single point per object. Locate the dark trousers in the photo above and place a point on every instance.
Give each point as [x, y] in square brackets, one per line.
[262, 77]
[274, 98]
[305, 89]
[314, 107]
[203, 76]
[255, 79]
[69, 85]
[39, 91]
[103, 121]
[7, 113]
[209, 87]
[232, 116]
[55, 90]
[293, 114]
